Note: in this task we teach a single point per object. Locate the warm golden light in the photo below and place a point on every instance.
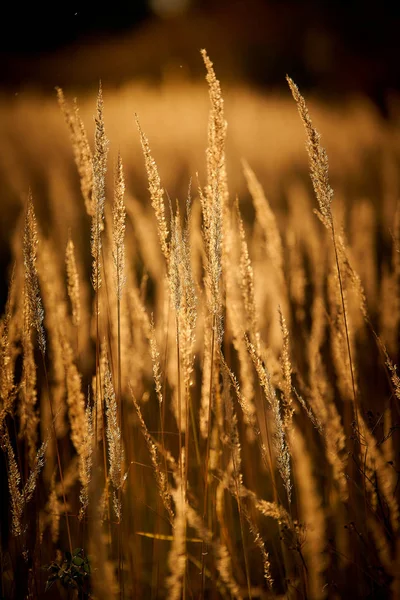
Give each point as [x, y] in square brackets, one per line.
[199, 395]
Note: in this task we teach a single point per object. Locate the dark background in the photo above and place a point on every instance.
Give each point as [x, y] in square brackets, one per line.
[335, 48]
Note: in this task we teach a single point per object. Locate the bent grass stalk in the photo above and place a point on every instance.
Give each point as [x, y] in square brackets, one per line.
[324, 193]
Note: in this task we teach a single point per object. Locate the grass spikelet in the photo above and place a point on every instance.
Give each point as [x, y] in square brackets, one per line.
[274, 511]
[30, 485]
[99, 191]
[318, 158]
[28, 392]
[394, 376]
[259, 542]
[175, 279]
[313, 418]
[155, 358]
[8, 388]
[97, 390]
[35, 312]
[216, 171]
[86, 460]
[247, 283]
[216, 197]
[19, 499]
[189, 317]
[182, 285]
[14, 481]
[212, 236]
[119, 217]
[286, 367]
[269, 509]
[115, 446]
[156, 192]
[73, 282]
[82, 152]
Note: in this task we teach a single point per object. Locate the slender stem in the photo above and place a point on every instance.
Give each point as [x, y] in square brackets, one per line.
[345, 325]
[179, 398]
[119, 403]
[161, 409]
[119, 358]
[97, 366]
[187, 432]
[203, 545]
[183, 486]
[193, 424]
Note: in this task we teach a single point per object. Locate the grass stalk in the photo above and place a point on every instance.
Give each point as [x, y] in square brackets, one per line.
[119, 404]
[346, 326]
[207, 458]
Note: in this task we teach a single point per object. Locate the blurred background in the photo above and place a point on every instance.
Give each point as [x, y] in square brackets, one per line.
[343, 56]
[337, 48]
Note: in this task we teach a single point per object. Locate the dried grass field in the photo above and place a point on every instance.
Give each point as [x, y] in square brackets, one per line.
[198, 385]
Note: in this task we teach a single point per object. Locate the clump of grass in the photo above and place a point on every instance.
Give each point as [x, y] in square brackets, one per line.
[242, 438]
